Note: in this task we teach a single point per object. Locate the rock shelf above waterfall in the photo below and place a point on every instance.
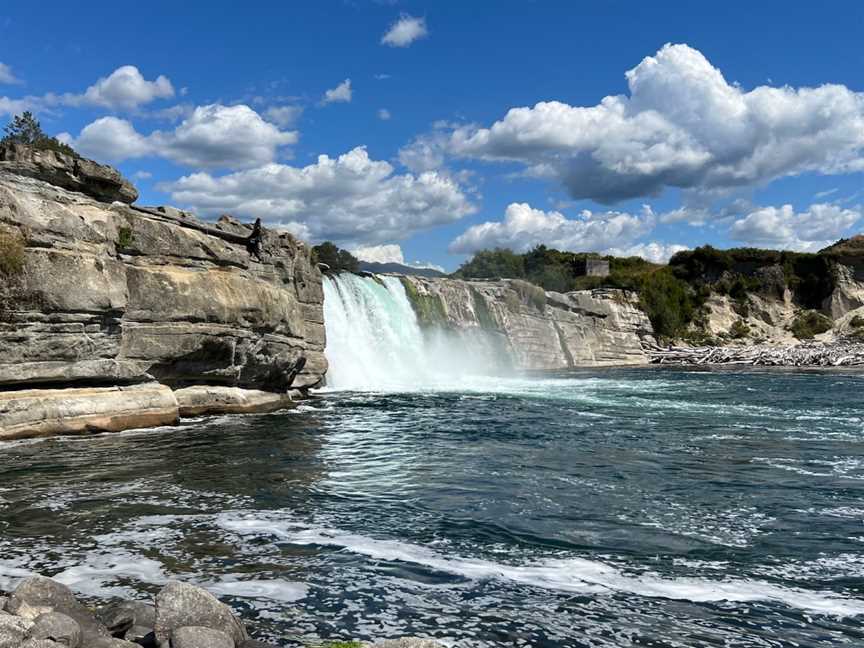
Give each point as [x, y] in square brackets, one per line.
[103, 295]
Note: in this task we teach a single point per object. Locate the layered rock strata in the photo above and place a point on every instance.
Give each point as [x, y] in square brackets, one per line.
[111, 295]
[540, 330]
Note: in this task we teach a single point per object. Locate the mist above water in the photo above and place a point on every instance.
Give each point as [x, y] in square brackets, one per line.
[375, 342]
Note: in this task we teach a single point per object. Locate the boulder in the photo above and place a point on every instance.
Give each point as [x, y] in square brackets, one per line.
[37, 595]
[40, 643]
[110, 642]
[180, 604]
[47, 412]
[200, 637]
[128, 619]
[57, 627]
[99, 181]
[13, 630]
[212, 399]
[142, 636]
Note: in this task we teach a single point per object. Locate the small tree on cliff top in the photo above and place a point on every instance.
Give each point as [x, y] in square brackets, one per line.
[26, 129]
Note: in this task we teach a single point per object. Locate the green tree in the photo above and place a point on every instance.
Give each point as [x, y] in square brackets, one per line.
[491, 264]
[336, 258]
[26, 129]
[669, 302]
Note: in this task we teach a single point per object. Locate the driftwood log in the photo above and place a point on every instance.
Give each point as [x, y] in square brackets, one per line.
[804, 354]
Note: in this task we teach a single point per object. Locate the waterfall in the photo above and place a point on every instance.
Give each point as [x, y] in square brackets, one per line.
[374, 341]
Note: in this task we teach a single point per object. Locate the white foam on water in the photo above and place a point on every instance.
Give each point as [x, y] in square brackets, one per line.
[574, 575]
[97, 575]
[274, 590]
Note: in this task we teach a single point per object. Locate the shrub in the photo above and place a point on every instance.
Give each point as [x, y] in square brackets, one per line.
[809, 324]
[739, 330]
[125, 237]
[857, 321]
[669, 303]
[11, 253]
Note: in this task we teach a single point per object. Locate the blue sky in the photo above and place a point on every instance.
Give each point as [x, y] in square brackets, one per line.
[473, 124]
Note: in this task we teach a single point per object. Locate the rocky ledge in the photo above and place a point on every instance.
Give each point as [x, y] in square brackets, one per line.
[42, 613]
[115, 316]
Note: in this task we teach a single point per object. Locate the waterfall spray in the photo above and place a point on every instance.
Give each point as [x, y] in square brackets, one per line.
[374, 341]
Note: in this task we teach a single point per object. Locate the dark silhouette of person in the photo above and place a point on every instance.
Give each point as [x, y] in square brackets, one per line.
[253, 243]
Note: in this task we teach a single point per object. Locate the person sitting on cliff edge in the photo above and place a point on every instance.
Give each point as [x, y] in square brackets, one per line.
[253, 243]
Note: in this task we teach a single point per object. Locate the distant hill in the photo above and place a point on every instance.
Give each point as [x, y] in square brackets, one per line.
[846, 247]
[400, 268]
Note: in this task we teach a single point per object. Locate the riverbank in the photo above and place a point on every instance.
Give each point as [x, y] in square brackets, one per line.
[804, 355]
[43, 613]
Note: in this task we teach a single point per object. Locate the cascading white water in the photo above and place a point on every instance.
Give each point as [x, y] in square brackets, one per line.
[374, 341]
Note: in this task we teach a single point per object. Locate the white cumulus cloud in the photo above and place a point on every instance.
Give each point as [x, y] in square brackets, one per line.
[125, 88]
[212, 136]
[388, 253]
[284, 116]
[342, 93]
[6, 75]
[654, 251]
[405, 31]
[682, 125]
[782, 227]
[352, 200]
[524, 227]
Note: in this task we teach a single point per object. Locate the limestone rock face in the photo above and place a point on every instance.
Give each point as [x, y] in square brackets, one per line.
[542, 330]
[50, 412]
[114, 294]
[216, 399]
[847, 296]
[78, 174]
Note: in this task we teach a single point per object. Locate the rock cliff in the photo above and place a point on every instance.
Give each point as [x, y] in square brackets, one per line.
[112, 294]
[541, 330]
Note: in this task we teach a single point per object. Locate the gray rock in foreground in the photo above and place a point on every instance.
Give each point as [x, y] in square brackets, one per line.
[200, 637]
[57, 627]
[181, 604]
[37, 595]
[42, 613]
